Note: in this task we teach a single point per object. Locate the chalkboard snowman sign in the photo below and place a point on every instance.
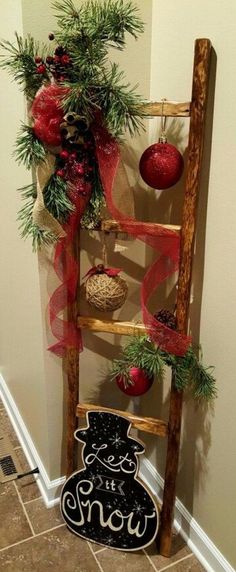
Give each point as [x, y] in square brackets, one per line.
[106, 502]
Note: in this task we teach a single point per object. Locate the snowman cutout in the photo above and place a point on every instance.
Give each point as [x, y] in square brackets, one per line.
[105, 502]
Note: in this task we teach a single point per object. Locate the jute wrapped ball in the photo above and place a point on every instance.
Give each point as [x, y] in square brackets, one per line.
[106, 293]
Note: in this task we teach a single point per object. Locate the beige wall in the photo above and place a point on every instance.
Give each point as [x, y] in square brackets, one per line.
[206, 482]
[162, 62]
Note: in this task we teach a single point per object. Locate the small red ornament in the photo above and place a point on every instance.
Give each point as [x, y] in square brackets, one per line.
[161, 165]
[37, 59]
[138, 384]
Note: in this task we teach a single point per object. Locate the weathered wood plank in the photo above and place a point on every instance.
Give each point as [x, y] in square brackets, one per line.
[150, 227]
[195, 149]
[147, 424]
[111, 326]
[169, 109]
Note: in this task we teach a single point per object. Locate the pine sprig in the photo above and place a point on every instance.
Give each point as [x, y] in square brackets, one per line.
[18, 60]
[29, 149]
[56, 199]
[188, 371]
[105, 21]
[27, 227]
[92, 215]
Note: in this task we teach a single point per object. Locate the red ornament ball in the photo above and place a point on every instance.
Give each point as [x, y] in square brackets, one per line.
[161, 166]
[140, 382]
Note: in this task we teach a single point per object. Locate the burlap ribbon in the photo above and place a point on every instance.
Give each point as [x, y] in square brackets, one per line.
[41, 216]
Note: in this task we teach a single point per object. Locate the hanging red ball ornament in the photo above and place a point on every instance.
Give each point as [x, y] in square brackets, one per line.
[137, 384]
[161, 165]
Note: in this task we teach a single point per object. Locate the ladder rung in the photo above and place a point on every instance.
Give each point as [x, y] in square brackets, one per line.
[147, 424]
[169, 109]
[111, 326]
[150, 227]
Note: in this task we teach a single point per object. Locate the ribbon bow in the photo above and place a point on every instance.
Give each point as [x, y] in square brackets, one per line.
[100, 269]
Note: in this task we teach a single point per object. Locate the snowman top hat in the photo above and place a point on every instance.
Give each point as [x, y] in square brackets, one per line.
[104, 426]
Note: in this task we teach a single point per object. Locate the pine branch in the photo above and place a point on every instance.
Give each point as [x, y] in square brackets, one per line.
[187, 370]
[29, 149]
[92, 215]
[20, 63]
[104, 21]
[56, 199]
[27, 227]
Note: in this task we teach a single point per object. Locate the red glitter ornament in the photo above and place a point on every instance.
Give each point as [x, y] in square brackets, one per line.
[161, 165]
[138, 384]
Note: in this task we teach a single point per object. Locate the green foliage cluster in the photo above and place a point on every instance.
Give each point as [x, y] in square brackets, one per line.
[97, 85]
[187, 370]
[98, 89]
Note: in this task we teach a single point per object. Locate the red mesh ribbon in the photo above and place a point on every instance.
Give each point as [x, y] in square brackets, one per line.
[166, 242]
[67, 270]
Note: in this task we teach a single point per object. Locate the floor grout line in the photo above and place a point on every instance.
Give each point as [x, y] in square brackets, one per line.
[31, 537]
[150, 560]
[99, 550]
[96, 560]
[24, 509]
[176, 562]
[32, 500]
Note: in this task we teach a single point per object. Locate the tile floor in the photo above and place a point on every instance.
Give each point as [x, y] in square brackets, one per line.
[34, 538]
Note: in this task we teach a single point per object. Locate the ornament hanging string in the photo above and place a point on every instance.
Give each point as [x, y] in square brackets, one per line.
[166, 242]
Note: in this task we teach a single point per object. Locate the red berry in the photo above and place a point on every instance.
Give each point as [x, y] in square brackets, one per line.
[65, 59]
[64, 155]
[37, 59]
[60, 173]
[80, 169]
[57, 59]
[49, 59]
[41, 69]
[73, 156]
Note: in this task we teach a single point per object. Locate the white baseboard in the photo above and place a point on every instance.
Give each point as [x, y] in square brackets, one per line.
[50, 490]
[197, 540]
[201, 545]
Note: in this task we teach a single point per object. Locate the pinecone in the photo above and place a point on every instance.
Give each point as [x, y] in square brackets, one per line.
[167, 318]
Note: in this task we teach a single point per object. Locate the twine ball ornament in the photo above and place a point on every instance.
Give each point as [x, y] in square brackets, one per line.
[104, 292]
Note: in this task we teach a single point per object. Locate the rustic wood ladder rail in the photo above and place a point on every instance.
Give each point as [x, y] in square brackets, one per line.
[196, 110]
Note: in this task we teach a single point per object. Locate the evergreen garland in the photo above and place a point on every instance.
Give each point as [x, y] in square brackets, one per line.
[19, 61]
[188, 371]
[29, 151]
[27, 227]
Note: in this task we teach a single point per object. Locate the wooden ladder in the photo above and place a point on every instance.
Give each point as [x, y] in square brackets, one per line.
[196, 110]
